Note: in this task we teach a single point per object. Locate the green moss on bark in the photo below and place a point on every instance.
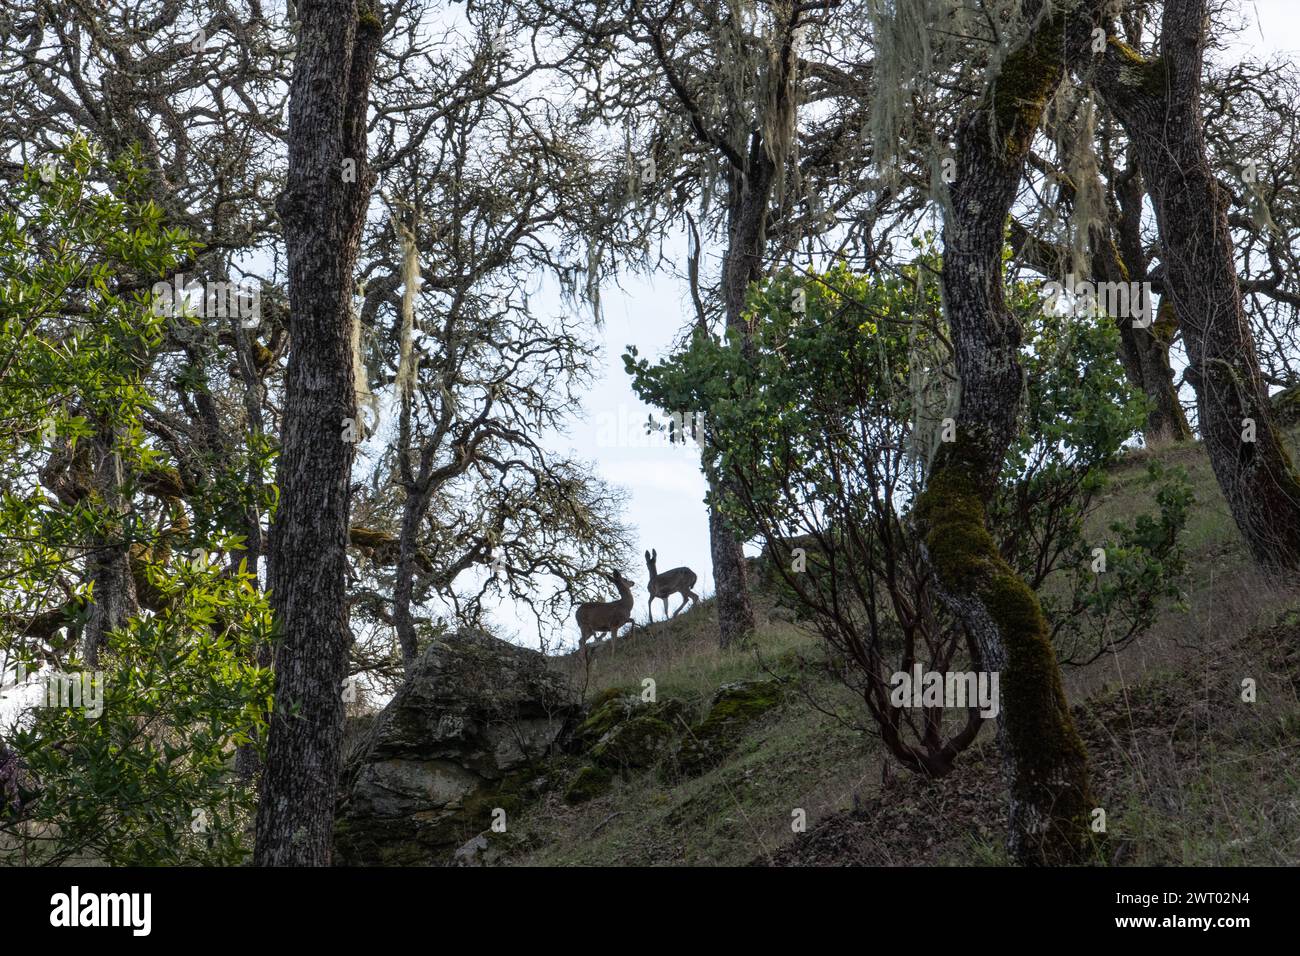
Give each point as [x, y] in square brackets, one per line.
[1049, 756]
[1028, 77]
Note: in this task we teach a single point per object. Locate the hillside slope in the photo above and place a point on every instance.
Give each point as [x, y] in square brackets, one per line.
[1187, 772]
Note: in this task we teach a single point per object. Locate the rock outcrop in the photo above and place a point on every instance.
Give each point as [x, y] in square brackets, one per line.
[458, 749]
[733, 708]
[622, 733]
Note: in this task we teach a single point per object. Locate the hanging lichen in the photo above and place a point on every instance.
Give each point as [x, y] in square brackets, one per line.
[408, 360]
[591, 291]
[367, 402]
[778, 108]
[902, 31]
[1077, 151]
[1260, 213]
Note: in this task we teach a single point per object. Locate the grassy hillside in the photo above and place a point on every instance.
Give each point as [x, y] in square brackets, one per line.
[1187, 772]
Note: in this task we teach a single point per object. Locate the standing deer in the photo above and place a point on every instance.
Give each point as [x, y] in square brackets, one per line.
[606, 617]
[677, 581]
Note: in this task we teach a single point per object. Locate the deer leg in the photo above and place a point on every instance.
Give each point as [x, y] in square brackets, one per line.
[680, 606]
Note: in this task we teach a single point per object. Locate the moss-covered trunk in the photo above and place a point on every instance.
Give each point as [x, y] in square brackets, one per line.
[1043, 757]
[1158, 102]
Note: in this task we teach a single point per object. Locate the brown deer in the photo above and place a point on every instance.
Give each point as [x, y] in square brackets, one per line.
[677, 581]
[606, 617]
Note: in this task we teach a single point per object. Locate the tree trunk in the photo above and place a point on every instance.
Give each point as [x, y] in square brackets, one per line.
[323, 209]
[1145, 351]
[731, 585]
[1043, 757]
[413, 510]
[750, 192]
[109, 560]
[1158, 102]
[1148, 351]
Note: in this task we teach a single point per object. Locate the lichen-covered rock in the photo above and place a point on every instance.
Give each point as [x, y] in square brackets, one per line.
[733, 707]
[461, 739]
[589, 783]
[623, 732]
[615, 706]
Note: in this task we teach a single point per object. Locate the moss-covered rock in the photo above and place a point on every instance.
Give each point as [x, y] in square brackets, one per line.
[624, 732]
[600, 698]
[589, 783]
[635, 743]
[607, 711]
[734, 706]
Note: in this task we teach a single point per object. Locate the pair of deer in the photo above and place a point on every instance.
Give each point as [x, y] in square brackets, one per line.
[606, 617]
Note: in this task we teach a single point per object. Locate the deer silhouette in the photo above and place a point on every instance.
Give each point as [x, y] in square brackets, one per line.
[606, 617]
[677, 581]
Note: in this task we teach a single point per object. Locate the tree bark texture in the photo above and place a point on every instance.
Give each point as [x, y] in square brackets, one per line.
[322, 209]
[750, 193]
[1044, 760]
[1158, 103]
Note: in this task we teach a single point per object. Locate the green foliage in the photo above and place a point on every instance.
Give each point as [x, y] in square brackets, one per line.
[855, 366]
[73, 307]
[149, 778]
[823, 420]
[1078, 414]
[1144, 564]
